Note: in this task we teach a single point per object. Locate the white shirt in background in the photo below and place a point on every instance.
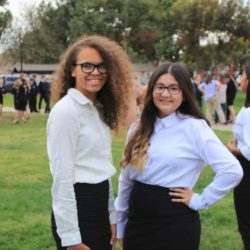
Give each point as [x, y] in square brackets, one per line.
[221, 93]
[241, 131]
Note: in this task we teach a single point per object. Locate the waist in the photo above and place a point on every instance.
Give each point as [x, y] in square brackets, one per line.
[91, 188]
[154, 202]
[92, 199]
[93, 174]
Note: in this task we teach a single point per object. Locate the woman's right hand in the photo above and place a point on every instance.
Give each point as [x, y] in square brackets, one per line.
[79, 247]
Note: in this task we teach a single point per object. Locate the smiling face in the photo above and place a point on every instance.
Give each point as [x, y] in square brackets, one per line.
[88, 83]
[165, 102]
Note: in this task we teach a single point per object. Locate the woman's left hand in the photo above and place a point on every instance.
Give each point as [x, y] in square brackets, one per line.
[113, 236]
[182, 195]
[232, 146]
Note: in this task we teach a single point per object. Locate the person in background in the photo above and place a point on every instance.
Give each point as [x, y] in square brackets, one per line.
[2, 92]
[231, 94]
[134, 101]
[46, 91]
[221, 94]
[20, 92]
[41, 92]
[240, 147]
[196, 82]
[91, 91]
[209, 88]
[165, 153]
[32, 94]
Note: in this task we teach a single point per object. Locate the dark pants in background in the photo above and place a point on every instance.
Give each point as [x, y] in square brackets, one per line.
[93, 216]
[242, 203]
[157, 223]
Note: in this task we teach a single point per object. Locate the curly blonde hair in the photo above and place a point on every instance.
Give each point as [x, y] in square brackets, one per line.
[113, 97]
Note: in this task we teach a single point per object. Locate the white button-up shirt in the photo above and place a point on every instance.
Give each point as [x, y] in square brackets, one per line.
[79, 151]
[180, 147]
[241, 131]
[209, 89]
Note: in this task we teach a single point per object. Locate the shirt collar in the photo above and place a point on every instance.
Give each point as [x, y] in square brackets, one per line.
[168, 121]
[79, 96]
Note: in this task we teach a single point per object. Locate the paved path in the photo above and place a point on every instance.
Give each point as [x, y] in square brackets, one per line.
[8, 109]
[222, 127]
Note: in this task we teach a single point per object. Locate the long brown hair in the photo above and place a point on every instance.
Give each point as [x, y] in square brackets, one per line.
[114, 94]
[136, 149]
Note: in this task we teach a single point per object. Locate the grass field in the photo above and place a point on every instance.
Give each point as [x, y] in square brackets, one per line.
[25, 182]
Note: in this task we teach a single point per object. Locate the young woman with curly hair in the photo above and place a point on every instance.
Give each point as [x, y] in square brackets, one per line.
[240, 147]
[164, 156]
[91, 88]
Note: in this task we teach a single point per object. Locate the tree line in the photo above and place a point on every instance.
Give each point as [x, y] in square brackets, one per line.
[200, 33]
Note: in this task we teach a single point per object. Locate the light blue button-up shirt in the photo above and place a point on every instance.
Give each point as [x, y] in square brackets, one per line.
[180, 147]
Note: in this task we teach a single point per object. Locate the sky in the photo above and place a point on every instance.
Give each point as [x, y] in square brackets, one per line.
[15, 6]
[18, 6]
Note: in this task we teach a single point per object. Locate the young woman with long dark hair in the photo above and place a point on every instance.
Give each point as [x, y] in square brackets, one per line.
[165, 153]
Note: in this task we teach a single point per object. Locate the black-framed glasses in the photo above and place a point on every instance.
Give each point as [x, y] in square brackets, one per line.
[173, 89]
[90, 67]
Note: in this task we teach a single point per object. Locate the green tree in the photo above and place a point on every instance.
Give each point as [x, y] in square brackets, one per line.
[194, 20]
[46, 37]
[134, 24]
[190, 20]
[5, 18]
[137, 25]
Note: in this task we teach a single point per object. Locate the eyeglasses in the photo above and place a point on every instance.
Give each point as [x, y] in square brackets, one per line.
[90, 67]
[172, 89]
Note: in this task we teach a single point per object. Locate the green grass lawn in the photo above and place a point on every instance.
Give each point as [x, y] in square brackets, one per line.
[25, 182]
[8, 100]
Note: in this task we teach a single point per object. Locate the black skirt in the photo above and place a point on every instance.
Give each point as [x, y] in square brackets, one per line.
[242, 202]
[93, 216]
[157, 223]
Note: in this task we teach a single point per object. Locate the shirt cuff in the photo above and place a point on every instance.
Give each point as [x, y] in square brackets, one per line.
[70, 239]
[196, 202]
[121, 230]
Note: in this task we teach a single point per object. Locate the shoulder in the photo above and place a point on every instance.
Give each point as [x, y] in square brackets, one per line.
[193, 125]
[244, 113]
[64, 109]
[247, 110]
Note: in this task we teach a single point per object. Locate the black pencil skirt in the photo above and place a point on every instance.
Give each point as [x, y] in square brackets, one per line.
[242, 203]
[157, 223]
[93, 216]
